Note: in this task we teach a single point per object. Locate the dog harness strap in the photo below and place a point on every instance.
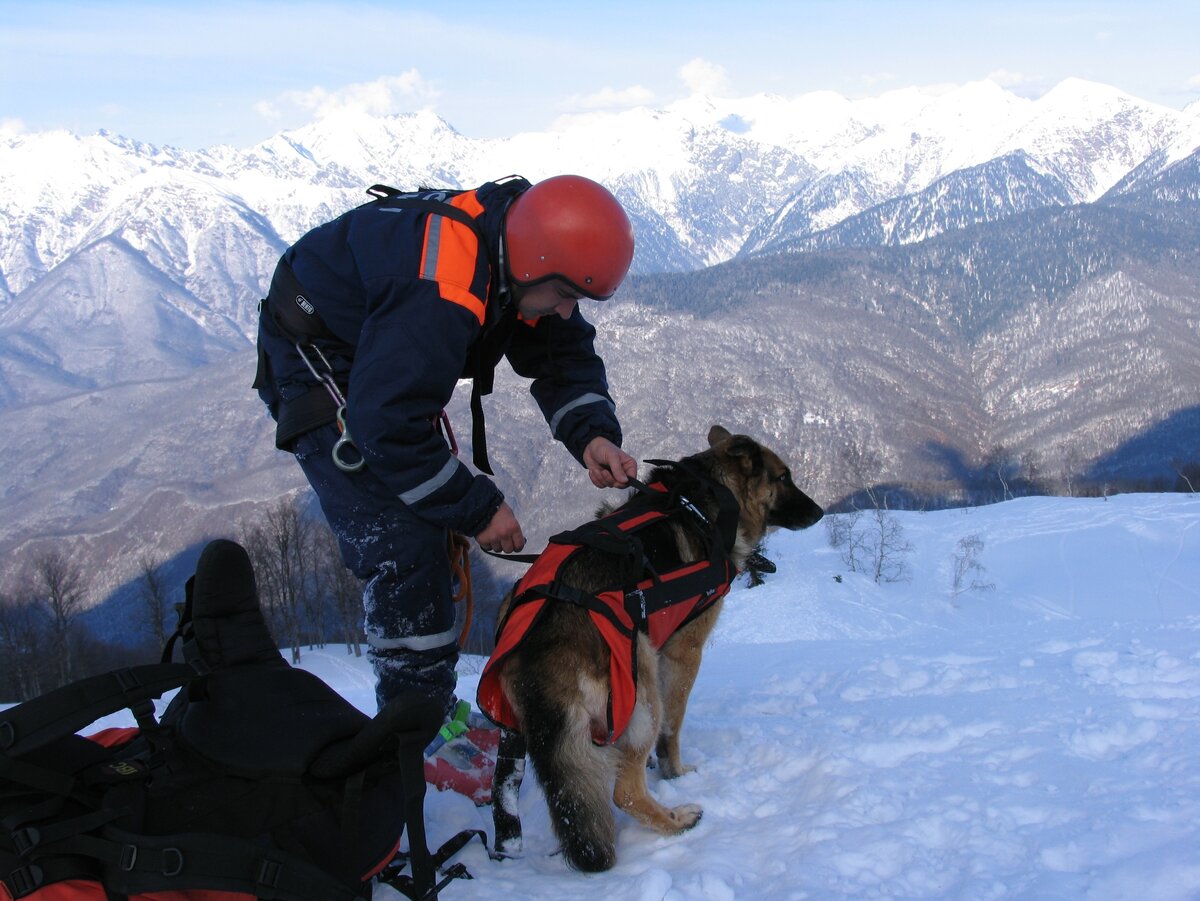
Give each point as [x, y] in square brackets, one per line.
[609, 604]
[729, 511]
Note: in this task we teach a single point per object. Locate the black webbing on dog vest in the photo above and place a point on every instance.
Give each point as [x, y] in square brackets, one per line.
[671, 582]
[653, 589]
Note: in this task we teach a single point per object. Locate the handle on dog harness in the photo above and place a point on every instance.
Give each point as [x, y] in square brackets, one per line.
[729, 511]
[637, 484]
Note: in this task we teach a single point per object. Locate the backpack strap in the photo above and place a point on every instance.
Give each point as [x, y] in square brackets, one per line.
[404, 200]
[66, 710]
[135, 863]
[61, 713]
[410, 887]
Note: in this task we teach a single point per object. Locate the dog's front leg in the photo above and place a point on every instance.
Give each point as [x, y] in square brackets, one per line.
[631, 793]
[678, 664]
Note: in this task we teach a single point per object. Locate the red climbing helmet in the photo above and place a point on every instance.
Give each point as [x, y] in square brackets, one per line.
[570, 228]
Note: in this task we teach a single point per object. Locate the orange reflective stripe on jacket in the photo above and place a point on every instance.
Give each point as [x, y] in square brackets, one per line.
[450, 254]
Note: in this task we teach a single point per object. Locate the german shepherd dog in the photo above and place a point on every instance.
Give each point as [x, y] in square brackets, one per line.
[557, 680]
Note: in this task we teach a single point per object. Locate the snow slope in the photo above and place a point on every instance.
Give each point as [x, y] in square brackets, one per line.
[1036, 739]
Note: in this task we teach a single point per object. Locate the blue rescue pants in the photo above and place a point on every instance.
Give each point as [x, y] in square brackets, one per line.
[404, 562]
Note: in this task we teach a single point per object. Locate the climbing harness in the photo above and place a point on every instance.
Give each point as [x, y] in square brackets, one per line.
[297, 318]
[326, 378]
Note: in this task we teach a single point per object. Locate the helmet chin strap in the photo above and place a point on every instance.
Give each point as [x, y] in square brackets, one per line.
[503, 289]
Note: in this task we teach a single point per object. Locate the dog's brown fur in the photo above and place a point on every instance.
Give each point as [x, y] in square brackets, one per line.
[558, 679]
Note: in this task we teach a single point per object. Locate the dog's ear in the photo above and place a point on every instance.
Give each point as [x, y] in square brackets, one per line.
[717, 434]
[746, 453]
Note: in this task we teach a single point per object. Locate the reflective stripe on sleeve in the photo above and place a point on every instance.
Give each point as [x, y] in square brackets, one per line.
[428, 487]
[578, 402]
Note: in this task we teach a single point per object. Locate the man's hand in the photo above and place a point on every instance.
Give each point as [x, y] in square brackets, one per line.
[608, 466]
[503, 533]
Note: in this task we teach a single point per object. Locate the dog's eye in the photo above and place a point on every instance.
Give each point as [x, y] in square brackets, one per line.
[785, 477]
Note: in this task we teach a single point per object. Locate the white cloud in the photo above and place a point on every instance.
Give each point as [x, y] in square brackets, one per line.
[1193, 83]
[611, 98]
[702, 77]
[268, 110]
[11, 127]
[384, 96]
[1007, 79]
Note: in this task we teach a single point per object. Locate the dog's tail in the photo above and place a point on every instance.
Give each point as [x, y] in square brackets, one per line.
[576, 776]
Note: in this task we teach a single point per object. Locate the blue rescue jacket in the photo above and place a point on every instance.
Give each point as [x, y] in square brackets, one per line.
[413, 302]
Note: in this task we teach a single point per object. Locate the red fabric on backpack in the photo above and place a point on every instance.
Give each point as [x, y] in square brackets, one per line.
[114, 737]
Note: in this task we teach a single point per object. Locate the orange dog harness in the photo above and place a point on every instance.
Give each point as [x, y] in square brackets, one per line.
[657, 594]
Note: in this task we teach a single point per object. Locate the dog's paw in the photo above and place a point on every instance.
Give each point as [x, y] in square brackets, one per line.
[670, 771]
[685, 816]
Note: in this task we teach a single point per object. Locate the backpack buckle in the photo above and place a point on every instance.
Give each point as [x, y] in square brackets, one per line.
[127, 679]
[172, 861]
[25, 880]
[268, 873]
[25, 839]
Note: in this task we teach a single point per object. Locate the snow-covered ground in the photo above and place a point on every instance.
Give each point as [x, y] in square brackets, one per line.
[1036, 739]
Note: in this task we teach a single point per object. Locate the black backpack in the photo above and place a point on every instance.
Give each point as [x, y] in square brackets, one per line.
[258, 780]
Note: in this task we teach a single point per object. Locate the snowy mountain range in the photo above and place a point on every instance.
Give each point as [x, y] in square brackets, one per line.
[931, 276]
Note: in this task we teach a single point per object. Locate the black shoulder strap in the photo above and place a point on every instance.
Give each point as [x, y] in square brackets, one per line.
[397, 199]
[409, 885]
[66, 710]
[729, 511]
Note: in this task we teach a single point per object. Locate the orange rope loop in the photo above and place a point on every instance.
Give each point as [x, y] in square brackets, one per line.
[458, 549]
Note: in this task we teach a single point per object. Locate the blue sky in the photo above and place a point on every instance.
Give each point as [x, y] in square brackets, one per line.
[194, 74]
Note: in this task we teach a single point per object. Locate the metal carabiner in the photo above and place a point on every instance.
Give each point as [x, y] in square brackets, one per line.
[344, 440]
[335, 394]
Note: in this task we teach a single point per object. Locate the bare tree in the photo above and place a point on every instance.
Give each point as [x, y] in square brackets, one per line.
[23, 627]
[154, 595]
[968, 571]
[887, 546]
[1000, 461]
[1070, 465]
[58, 584]
[1187, 472]
[872, 540]
[280, 549]
[1031, 471]
[862, 469]
[846, 535]
[342, 587]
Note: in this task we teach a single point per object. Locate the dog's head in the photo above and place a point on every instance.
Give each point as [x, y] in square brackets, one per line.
[762, 484]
